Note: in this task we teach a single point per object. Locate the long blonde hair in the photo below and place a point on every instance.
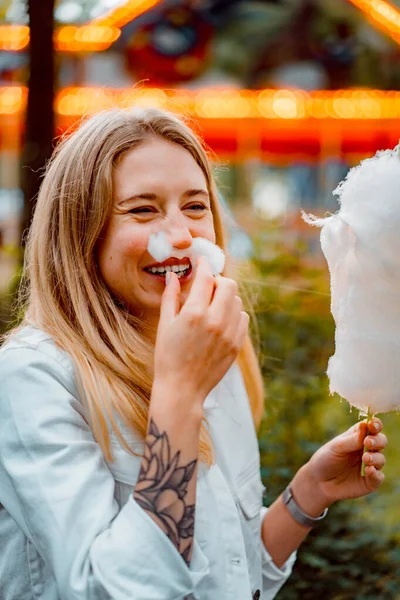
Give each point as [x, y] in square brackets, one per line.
[63, 292]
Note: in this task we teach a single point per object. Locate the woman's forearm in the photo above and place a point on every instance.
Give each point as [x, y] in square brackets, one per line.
[280, 532]
[166, 487]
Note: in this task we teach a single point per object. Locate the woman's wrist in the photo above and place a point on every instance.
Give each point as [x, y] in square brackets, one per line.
[308, 493]
[177, 399]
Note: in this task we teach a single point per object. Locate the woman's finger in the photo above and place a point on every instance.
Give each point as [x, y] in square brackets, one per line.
[375, 442]
[224, 298]
[234, 310]
[375, 426]
[202, 289]
[242, 330]
[373, 477]
[375, 459]
[170, 299]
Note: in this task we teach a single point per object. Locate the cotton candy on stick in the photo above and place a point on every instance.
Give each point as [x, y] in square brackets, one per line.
[361, 244]
[160, 249]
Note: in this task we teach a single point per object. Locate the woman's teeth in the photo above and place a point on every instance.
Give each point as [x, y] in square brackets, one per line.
[180, 270]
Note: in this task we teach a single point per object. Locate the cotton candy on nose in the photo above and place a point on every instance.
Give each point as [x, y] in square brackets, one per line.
[160, 249]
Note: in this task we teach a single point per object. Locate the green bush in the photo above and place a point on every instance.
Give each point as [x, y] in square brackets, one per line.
[354, 553]
[8, 297]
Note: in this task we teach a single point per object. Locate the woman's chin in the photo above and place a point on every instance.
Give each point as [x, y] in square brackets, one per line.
[151, 299]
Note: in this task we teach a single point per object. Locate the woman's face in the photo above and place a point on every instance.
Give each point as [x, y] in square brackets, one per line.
[158, 186]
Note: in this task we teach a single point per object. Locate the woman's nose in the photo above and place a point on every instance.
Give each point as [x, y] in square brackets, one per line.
[179, 235]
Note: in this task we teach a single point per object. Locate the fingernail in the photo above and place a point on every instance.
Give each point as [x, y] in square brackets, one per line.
[377, 426]
[167, 277]
[372, 443]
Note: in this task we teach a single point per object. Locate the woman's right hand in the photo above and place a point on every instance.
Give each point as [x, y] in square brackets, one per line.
[197, 344]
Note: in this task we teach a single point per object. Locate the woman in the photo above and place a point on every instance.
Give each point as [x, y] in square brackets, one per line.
[130, 396]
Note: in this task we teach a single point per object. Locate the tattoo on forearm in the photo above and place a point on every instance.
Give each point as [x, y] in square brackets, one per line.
[161, 490]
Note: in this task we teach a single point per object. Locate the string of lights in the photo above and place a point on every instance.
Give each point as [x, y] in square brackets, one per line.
[95, 36]
[383, 14]
[100, 33]
[221, 104]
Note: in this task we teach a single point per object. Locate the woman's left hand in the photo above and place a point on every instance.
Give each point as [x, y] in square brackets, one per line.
[334, 471]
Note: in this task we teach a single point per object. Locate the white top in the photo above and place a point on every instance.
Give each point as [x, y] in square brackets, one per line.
[70, 528]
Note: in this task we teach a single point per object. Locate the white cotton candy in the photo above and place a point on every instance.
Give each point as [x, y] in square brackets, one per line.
[361, 244]
[160, 249]
[211, 252]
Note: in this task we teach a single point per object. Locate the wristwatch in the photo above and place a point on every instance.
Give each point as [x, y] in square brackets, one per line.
[296, 512]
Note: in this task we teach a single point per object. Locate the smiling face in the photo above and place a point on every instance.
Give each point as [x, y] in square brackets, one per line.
[157, 186]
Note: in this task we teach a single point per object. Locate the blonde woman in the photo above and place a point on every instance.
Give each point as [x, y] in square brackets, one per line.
[129, 465]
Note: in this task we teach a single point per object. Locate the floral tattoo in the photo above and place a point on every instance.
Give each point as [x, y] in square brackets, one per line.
[161, 490]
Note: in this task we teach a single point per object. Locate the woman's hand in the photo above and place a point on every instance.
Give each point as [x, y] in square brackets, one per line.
[196, 345]
[334, 471]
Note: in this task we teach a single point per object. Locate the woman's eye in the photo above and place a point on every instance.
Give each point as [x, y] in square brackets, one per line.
[196, 207]
[142, 209]
[145, 210]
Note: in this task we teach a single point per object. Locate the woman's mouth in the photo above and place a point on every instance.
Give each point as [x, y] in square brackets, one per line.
[183, 270]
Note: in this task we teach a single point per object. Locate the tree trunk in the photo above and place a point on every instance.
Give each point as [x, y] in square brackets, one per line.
[39, 125]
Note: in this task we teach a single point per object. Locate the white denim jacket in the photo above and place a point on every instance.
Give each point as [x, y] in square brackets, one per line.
[69, 526]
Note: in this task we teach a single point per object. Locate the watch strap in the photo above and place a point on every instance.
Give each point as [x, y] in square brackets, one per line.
[297, 513]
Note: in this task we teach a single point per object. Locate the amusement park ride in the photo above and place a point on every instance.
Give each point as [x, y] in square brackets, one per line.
[278, 125]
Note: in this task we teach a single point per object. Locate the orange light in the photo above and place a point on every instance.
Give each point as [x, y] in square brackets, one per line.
[229, 104]
[222, 104]
[150, 97]
[83, 101]
[12, 100]
[385, 15]
[121, 15]
[14, 37]
[89, 38]
[241, 104]
[103, 31]
[97, 35]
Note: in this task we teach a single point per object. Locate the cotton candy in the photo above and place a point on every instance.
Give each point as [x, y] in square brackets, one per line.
[211, 252]
[160, 249]
[361, 244]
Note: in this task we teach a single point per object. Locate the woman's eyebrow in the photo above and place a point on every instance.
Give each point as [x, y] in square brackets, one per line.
[143, 196]
[151, 196]
[194, 192]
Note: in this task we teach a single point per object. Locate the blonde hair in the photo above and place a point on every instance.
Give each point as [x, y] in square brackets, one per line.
[63, 292]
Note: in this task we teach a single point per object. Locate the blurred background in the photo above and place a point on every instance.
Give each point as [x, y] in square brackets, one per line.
[288, 95]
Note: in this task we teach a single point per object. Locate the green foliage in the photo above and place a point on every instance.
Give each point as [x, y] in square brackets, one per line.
[9, 316]
[343, 559]
[354, 554]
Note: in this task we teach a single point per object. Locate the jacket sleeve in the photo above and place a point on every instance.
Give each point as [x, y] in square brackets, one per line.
[61, 493]
[273, 576]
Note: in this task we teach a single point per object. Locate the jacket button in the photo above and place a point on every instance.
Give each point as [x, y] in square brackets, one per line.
[256, 595]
